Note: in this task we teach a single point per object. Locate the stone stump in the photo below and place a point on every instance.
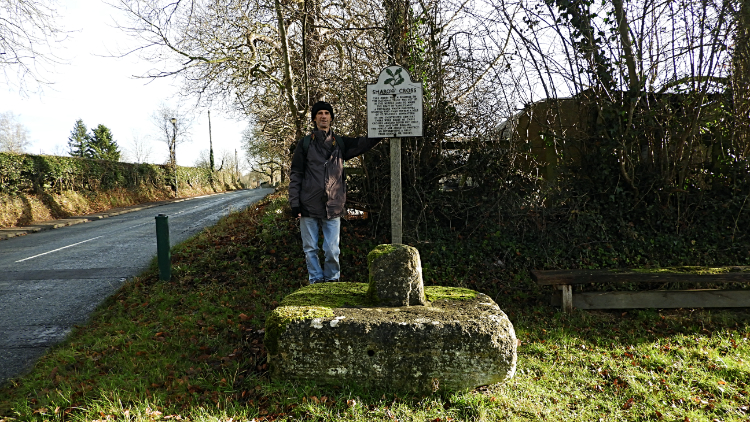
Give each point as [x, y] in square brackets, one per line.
[396, 276]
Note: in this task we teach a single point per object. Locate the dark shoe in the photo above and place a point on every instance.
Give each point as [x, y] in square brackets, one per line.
[336, 280]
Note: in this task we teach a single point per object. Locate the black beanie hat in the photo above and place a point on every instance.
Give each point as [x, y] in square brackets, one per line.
[320, 105]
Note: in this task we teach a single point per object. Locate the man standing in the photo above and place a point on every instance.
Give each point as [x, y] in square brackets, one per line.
[317, 190]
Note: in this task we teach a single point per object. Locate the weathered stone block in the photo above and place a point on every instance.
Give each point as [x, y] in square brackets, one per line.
[327, 334]
[396, 276]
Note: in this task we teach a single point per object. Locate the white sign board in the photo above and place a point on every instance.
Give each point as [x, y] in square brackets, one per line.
[394, 105]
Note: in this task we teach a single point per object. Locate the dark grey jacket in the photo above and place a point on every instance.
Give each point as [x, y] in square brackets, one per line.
[316, 183]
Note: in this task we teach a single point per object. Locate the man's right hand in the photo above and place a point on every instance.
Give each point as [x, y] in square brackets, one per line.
[296, 213]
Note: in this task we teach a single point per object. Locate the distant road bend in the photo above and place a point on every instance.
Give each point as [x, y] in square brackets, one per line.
[53, 280]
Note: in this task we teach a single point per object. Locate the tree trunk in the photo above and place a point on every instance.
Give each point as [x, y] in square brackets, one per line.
[289, 88]
[741, 80]
[623, 28]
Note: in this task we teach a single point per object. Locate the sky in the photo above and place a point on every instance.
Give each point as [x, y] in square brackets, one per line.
[104, 90]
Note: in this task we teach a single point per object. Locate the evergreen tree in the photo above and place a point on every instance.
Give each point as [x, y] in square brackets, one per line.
[79, 140]
[102, 146]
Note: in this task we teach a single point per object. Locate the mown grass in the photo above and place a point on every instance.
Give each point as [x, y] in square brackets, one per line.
[191, 348]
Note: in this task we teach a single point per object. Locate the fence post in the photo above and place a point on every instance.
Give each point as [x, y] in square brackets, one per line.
[163, 255]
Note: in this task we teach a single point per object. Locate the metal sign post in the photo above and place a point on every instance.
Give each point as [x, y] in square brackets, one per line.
[163, 254]
[394, 110]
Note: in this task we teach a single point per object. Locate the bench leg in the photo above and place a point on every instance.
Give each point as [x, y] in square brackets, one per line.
[567, 297]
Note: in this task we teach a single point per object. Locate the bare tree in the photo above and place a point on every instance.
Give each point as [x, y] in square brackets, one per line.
[250, 53]
[29, 35]
[480, 62]
[204, 160]
[265, 154]
[268, 59]
[139, 150]
[652, 70]
[173, 126]
[14, 136]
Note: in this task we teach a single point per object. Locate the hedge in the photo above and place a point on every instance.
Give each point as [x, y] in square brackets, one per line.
[26, 173]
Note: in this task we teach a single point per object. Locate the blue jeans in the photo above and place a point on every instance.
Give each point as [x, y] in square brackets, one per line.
[309, 228]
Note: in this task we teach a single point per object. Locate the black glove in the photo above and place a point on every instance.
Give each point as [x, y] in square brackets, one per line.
[295, 212]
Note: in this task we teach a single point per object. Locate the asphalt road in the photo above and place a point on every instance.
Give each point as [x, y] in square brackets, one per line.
[53, 280]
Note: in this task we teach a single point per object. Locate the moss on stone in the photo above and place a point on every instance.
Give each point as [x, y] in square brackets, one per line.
[395, 276]
[435, 293]
[695, 270]
[379, 250]
[372, 256]
[279, 318]
[329, 295]
[315, 301]
[320, 299]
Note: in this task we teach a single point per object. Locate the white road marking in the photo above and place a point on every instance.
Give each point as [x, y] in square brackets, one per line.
[58, 249]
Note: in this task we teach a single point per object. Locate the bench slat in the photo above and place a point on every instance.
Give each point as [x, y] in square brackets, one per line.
[552, 277]
[659, 299]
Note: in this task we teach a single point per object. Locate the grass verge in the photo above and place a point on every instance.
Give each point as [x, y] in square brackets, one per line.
[192, 348]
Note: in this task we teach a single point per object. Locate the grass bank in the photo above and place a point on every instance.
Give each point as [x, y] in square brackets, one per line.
[21, 209]
[192, 348]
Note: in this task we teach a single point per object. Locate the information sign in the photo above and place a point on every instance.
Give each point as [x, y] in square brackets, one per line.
[394, 105]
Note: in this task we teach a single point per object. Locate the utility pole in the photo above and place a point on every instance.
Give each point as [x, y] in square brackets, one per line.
[173, 155]
[210, 145]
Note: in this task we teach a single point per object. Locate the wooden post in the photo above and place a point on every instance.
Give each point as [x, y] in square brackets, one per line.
[396, 230]
[567, 297]
[394, 109]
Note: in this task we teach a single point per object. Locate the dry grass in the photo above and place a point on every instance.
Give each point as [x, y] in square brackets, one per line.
[24, 209]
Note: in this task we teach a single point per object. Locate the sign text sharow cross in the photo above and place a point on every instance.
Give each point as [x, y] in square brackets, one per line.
[394, 109]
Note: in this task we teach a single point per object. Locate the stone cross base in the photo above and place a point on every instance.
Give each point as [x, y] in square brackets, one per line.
[462, 340]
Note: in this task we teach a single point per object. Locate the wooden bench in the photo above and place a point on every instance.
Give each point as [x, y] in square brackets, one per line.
[563, 281]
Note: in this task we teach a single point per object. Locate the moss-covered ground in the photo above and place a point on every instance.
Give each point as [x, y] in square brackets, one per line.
[192, 348]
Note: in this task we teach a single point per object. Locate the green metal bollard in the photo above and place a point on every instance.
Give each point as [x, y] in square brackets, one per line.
[163, 255]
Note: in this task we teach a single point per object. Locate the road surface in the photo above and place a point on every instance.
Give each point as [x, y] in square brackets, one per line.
[53, 280]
